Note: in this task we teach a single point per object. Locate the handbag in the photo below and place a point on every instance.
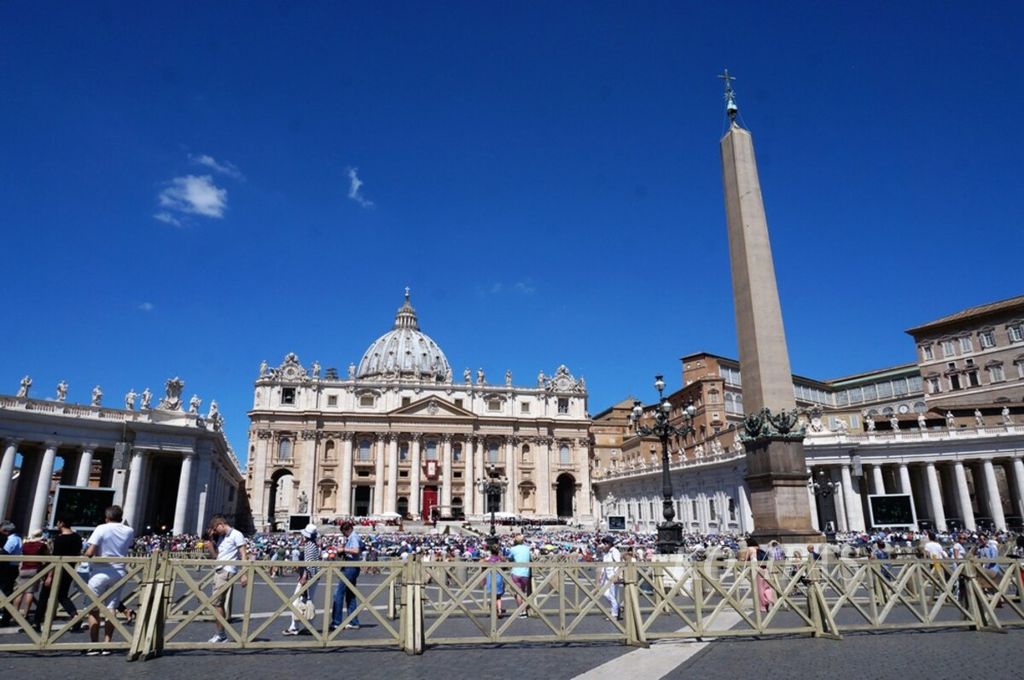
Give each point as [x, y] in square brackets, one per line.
[305, 607]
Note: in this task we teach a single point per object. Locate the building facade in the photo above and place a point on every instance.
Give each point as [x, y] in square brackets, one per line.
[170, 467]
[958, 449]
[398, 434]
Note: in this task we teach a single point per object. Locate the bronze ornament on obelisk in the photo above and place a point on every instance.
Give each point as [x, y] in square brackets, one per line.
[772, 436]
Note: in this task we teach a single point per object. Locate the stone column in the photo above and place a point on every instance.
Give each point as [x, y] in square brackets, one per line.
[542, 466]
[995, 503]
[84, 467]
[181, 505]
[345, 490]
[746, 515]
[392, 472]
[877, 479]
[7, 474]
[839, 505]
[42, 496]
[935, 497]
[508, 504]
[467, 476]
[963, 496]
[905, 486]
[131, 496]
[206, 483]
[378, 474]
[1018, 485]
[414, 477]
[851, 498]
[585, 506]
[446, 472]
[815, 520]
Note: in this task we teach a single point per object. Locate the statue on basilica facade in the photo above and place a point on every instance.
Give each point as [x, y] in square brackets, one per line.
[129, 399]
[147, 397]
[316, 369]
[869, 422]
[263, 368]
[172, 397]
[1007, 418]
[737, 446]
[26, 384]
[716, 447]
[97, 396]
[894, 421]
[448, 375]
[950, 420]
[698, 451]
[351, 371]
[978, 420]
[194, 403]
[840, 426]
[467, 375]
[214, 412]
[480, 380]
[922, 422]
[540, 379]
[62, 391]
[508, 377]
[303, 502]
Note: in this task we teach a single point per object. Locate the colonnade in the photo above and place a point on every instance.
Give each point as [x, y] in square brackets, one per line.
[950, 494]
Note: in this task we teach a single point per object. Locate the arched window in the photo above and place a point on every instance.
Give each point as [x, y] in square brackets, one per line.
[431, 449]
[403, 451]
[364, 449]
[526, 454]
[492, 452]
[284, 449]
[564, 455]
[329, 450]
[456, 454]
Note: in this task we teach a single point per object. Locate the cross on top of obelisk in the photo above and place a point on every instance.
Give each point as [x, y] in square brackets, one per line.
[730, 96]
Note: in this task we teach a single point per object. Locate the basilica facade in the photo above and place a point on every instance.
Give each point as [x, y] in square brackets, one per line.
[399, 434]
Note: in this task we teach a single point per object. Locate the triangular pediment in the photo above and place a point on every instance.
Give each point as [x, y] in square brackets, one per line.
[432, 407]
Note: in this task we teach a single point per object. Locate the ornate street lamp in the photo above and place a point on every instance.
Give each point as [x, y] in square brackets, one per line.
[670, 532]
[824, 487]
[492, 487]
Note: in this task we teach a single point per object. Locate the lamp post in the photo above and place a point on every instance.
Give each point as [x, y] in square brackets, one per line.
[492, 486]
[824, 487]
[670, 532]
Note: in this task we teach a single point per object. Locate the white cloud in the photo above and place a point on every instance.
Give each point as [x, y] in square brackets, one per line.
[225, 168]
[354, 186]
[147, 306]
[525, 287]
[167, 218]
[192, 195]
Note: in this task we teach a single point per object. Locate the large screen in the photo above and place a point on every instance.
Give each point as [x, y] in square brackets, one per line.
[297, 522]
[892, 510]
[616, 523]
[82, 507]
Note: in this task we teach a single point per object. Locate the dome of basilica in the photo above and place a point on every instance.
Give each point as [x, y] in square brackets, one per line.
[405, 351]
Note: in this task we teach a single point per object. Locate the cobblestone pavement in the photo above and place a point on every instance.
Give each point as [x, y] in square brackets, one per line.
[933, 655]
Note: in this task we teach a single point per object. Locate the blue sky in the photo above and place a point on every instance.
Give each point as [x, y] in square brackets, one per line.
[176, 183]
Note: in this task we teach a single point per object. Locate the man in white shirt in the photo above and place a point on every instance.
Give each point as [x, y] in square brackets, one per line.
[933, 549]
[609, 582]
[226, 544]
[111, 539]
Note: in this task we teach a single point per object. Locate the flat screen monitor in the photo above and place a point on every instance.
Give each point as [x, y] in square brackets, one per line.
[616, 523]
[892, 510]
[297, 522]
[82, 507]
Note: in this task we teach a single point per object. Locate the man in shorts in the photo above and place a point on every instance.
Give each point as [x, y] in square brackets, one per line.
[520, 553]
[226, 544]
[110, 539]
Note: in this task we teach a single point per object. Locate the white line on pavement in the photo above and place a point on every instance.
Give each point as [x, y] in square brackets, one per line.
[657, 661]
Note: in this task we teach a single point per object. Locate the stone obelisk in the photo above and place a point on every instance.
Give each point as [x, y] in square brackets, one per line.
[776, 470]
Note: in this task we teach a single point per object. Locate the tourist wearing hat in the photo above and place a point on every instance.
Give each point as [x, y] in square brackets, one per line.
[305, 602]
